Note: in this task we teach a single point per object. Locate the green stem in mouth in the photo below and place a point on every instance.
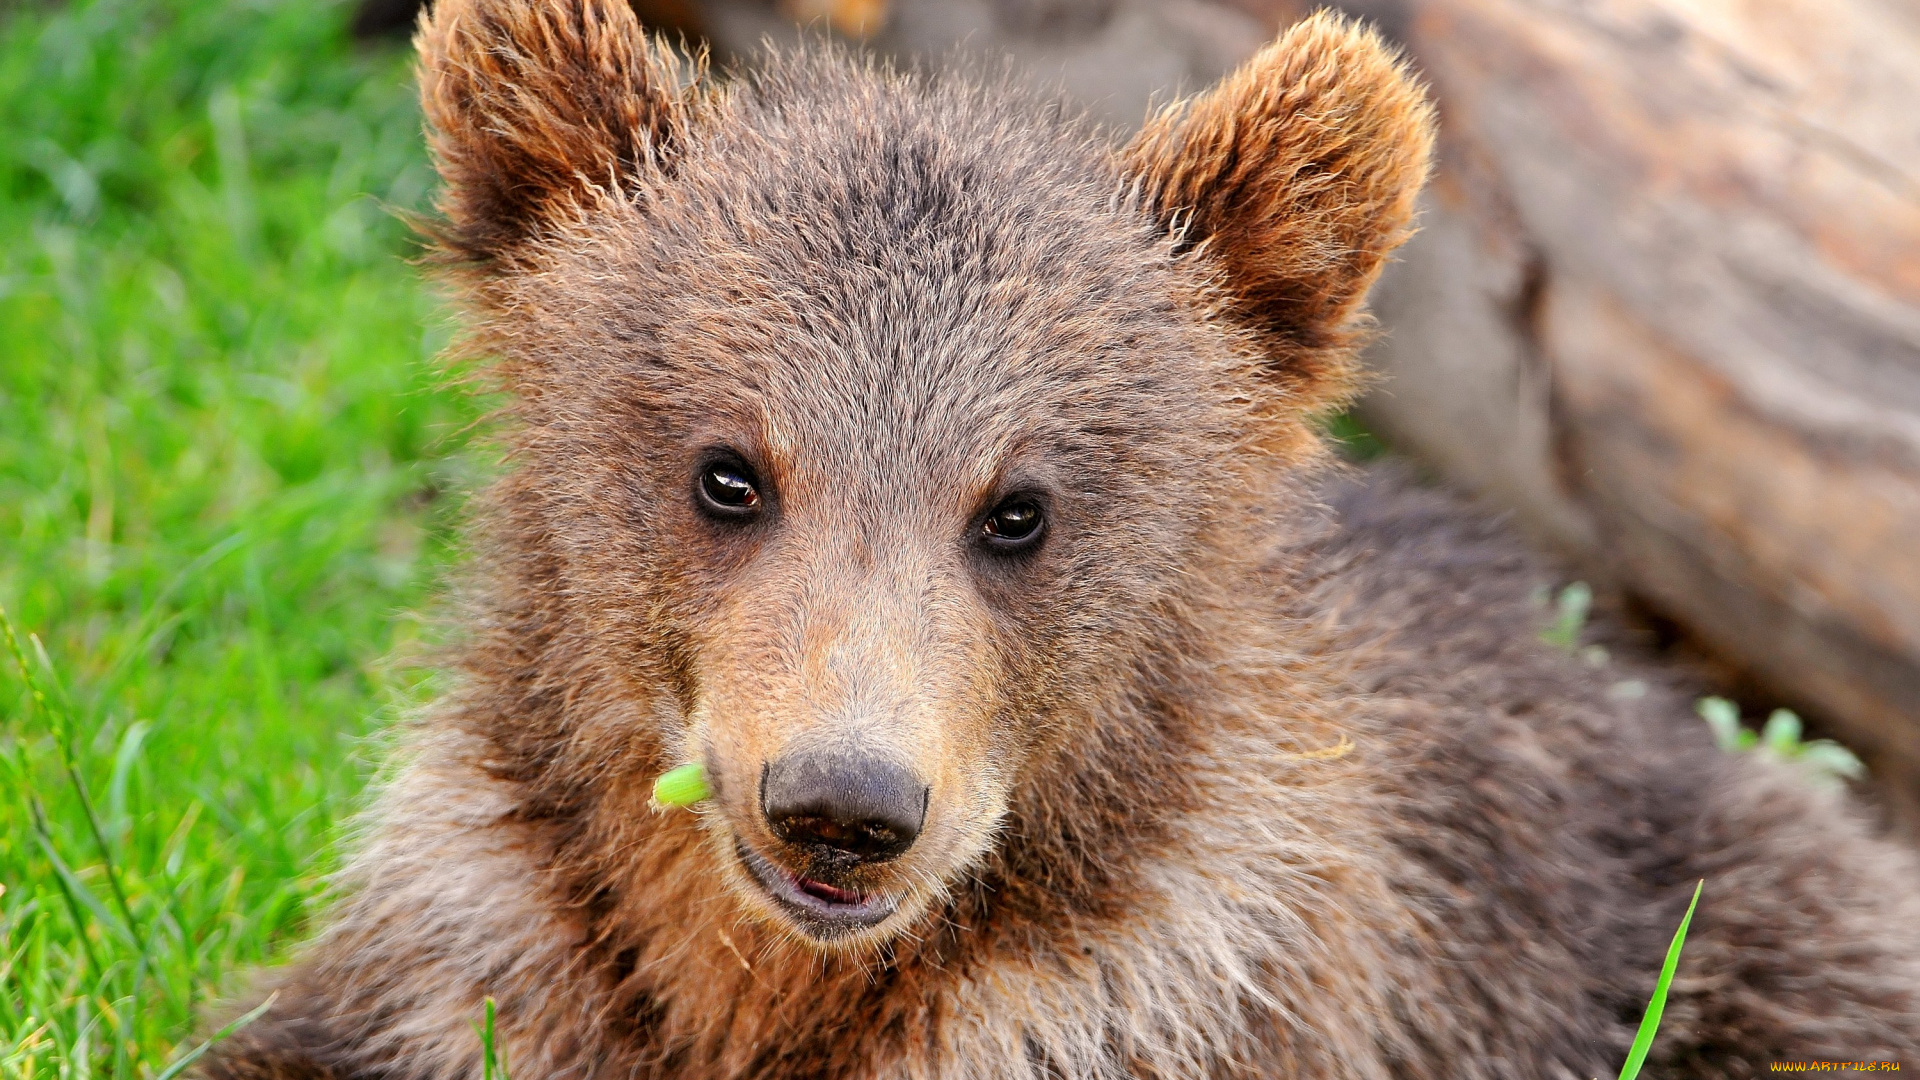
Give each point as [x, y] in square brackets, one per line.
[683, 786]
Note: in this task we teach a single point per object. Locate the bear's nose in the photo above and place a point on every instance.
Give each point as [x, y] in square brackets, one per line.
[865, 807]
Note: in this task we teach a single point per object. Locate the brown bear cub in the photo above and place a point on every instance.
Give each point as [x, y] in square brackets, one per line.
[946, 482]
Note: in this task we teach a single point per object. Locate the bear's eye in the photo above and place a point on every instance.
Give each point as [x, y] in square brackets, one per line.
[1013, 524]
[728, 490]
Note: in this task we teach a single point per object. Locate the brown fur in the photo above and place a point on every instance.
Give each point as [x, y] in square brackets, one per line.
[1219, 785]
[1297, 174]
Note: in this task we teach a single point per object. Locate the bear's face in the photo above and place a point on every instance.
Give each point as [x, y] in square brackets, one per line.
[906, 489]
[878, 431]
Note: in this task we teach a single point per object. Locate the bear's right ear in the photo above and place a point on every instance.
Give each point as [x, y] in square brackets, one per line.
[1295, 177]
[536, 104]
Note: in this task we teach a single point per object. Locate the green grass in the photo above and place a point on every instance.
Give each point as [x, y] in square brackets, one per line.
[1657, 1005]
[493, 1059]
[223, 448]
[1823, 761]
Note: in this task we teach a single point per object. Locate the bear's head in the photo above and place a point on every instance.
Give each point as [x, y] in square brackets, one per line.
[877, 438]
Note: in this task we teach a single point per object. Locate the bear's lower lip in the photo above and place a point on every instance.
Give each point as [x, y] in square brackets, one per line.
[821, 910]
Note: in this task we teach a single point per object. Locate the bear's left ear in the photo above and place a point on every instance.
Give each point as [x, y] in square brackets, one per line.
[533, 104]
[1296, 175]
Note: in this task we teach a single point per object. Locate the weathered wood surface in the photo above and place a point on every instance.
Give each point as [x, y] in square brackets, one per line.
[1667, 304]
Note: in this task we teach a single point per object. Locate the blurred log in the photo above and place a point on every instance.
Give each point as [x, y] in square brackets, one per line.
[1666, 304]
[1111, 57]
[1117, 58]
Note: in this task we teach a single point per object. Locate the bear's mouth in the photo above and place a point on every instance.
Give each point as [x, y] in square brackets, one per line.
[821, 910]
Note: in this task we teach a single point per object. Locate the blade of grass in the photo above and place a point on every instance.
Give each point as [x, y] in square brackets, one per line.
[181, 1063]
[125, 757]
[75, 887]
[124, 1045]
[493, 1063]
[1650, 1023]
[61, 718]
[62, 880]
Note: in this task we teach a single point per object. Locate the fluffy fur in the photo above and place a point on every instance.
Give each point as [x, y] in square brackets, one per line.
[1221, 783]
[1297, 175]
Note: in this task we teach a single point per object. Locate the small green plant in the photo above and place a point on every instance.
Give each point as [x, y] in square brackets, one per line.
[682, 786]
[1570, 610]
[493, 1060]
[1823, 759]
[1571, 607]
[1650, 1023]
